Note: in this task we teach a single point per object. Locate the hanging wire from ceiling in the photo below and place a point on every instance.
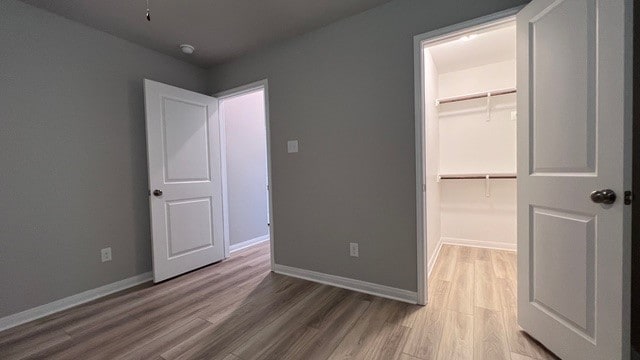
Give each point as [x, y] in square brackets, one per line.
[148, 12]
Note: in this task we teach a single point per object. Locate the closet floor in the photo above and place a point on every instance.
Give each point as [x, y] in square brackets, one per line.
[474, 290]
[238, 309]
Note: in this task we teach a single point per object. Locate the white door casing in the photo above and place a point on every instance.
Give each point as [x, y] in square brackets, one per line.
[183, 142]
[572, 265]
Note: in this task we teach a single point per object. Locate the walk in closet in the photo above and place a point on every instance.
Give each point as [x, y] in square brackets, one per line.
[470, 140]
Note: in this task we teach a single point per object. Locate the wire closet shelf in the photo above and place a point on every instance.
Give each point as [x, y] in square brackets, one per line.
[481, 95]
[477, 176]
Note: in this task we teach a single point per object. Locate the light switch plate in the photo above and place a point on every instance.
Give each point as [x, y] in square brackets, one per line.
[292, 146]
[514, 115]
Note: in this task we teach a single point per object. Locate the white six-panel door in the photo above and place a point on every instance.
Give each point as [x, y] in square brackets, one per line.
[571, 142]
[185, 197]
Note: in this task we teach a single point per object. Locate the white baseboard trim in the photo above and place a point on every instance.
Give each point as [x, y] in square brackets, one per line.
[71, 301]
[434, 257]
[245, 244]
[479, 243]
[349, 284]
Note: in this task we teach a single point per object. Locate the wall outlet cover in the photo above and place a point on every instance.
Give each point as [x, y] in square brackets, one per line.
[105, 254]
[353, 250]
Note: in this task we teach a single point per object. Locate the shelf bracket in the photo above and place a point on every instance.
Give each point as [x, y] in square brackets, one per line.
[488, 106]
[487, 189]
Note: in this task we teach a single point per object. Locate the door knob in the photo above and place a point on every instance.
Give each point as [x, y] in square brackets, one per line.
[157, 192]
[606, 196]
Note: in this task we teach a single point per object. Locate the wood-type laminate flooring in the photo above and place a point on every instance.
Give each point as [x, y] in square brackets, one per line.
[239, 310]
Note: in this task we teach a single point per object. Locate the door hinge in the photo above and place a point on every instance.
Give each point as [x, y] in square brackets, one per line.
[628, 197]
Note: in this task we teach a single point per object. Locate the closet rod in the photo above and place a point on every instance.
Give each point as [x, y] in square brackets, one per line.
[475, 96]
[463, 177]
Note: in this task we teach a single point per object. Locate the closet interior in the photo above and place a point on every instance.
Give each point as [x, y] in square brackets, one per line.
[470, 140]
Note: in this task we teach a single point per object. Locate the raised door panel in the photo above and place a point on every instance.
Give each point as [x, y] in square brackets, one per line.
[189, 226]
[186, 141]
[563, 267]
[562, 88]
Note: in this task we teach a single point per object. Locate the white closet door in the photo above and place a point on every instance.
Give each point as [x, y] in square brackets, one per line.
[572, 266]
[183, 142]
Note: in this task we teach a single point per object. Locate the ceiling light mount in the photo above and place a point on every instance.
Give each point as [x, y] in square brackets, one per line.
[187, 49]
[468, 37]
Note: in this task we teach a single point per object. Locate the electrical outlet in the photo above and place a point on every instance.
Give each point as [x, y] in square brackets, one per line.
[353, 250]
[105, 254]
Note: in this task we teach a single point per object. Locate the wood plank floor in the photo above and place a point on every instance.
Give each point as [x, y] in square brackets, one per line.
[239, 310]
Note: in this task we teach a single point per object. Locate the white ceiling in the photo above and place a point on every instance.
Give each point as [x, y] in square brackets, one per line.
[219, 30]
[487, 47]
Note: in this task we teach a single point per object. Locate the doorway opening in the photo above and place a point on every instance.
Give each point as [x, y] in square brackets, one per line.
[469, 176]
[245, 167]
[467, 157]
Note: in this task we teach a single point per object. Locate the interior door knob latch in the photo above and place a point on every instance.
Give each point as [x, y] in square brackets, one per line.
[628, 197]
[606, 196]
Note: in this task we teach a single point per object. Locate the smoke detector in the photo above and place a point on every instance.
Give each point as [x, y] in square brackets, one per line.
[187, 49]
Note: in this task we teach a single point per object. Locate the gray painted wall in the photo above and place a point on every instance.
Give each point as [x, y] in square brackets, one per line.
[73, 155]
[246, 153]
[346, 92]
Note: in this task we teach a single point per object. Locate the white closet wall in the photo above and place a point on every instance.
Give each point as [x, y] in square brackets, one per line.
[432, 157]
[474, 140]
